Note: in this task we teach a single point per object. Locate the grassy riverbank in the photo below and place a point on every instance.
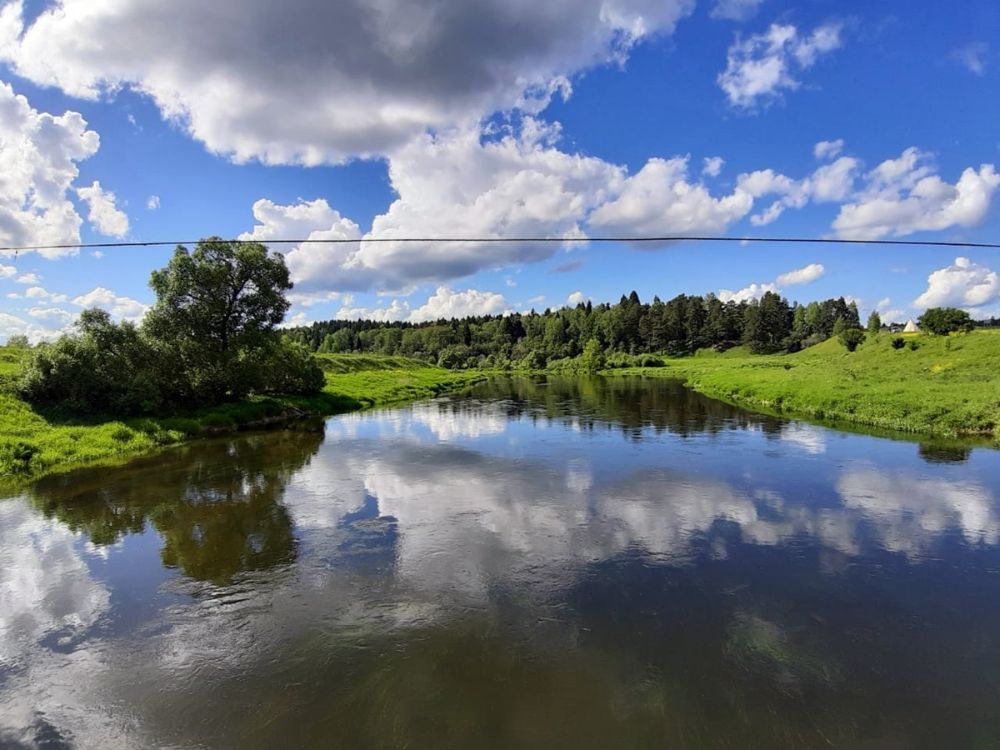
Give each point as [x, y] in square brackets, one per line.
[34, 442]
[946, 385]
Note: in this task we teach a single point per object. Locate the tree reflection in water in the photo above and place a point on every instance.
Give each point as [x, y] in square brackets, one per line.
[217, 504]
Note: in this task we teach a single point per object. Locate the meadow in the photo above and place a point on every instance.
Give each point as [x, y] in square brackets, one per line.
[36, 441]
[937, 385]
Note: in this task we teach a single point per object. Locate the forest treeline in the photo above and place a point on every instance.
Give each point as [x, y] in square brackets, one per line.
[620, 333]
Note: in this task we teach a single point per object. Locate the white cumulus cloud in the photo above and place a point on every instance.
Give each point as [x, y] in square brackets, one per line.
[747, 293]
[447, 304]
[455, 185]
[397, 310]
[313, 82]
[122, 308]
[888, 313]
[315, 267]
[803, 275]
[904, 195]
[828, 149]
[659, 200]
[832, 182]
[712, 166]
[443, 304]
[461, 185]
[52, 313]
[761, 67]
[37, 292]
[11, 325]
[962, 284]
[103, 214]
[39, 153]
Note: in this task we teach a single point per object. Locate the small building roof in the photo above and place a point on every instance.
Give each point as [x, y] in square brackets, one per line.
[911, 326]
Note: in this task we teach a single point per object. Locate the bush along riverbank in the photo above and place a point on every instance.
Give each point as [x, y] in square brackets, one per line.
[936, 385]
[35, 441]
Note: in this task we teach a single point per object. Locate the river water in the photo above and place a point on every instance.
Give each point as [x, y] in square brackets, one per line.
[536, 564]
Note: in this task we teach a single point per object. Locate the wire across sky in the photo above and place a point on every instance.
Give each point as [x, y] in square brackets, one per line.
[550, 240]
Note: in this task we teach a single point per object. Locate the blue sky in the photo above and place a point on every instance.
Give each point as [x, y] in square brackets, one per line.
[488, 118]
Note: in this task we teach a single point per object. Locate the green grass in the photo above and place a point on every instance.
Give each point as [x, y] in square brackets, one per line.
[947, 386]
[34, 441]
[344, 363]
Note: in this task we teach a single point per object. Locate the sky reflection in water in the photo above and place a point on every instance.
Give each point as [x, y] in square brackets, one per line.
[540, 564]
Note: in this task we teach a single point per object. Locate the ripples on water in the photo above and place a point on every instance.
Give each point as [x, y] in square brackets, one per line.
[571, 563]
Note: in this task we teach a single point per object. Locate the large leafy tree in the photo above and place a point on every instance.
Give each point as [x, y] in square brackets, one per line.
[944, 320]
[224, 294]
[216, 312]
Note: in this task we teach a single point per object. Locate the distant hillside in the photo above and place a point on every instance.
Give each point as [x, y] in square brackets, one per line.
[944, 385]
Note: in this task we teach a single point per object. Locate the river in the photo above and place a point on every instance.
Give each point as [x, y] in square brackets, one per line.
[561, 563]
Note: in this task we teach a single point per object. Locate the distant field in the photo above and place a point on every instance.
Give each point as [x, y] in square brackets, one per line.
[34, 443]
[946, 386]
[343, 363]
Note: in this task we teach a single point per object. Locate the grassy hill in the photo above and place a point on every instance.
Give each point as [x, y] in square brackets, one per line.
[941, 385]
[35, 442]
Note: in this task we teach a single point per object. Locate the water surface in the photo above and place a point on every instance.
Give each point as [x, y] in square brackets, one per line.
[537, 564]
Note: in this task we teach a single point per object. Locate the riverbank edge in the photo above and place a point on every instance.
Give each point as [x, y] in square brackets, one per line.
[817, 414]
[344, 393]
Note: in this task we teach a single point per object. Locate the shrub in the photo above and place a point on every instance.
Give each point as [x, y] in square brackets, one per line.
[108, 368]
[898, 342]
[851, 338]
[913, 345]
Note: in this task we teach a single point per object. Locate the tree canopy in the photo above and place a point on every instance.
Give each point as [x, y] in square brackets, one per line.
[223, 296]
[620, 333]
[216, 309]
[210, 337]
[944, 320]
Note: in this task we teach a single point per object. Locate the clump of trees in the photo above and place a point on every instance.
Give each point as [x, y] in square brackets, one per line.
[211, 337]
[944, 320]
[630, 329]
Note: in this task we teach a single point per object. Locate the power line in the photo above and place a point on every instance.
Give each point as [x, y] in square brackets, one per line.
[560, 240]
